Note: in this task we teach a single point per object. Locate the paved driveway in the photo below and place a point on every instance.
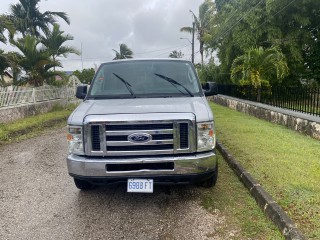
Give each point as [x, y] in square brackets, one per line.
[39, 201]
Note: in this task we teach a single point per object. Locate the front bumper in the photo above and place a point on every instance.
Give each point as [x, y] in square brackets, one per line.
[191, 164]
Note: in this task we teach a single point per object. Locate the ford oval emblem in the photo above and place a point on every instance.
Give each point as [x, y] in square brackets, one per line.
[139, 137]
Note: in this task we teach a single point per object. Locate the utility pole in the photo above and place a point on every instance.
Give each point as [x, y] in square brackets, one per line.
[193, 23]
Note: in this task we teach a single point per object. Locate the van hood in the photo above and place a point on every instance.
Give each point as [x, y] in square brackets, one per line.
[196, 105]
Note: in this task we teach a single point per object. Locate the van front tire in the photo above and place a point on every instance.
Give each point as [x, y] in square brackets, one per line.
[210, 182]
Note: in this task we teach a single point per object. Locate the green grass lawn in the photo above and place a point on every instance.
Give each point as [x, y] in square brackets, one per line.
[241, 212]
[34, 125]
[286, 163]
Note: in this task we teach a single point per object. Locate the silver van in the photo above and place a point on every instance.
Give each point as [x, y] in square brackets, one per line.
[144, 122]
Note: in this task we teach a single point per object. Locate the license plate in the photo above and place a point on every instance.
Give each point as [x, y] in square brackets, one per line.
[140, 185]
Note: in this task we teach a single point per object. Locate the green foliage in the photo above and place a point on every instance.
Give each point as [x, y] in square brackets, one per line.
[59, 79]
[291, 25]
[176, 54]
[40, 46]
[125, 52]
[27, 19]
[85, 76]
[283, 161]
[34, 60]
[34, 125]
[259, 66]
[240, 208]
[202, 23]
[212, 73]
[3, 65]
[2, 28]
[53, 42]
[312, 57]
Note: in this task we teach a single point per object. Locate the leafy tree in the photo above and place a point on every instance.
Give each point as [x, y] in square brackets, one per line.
[34, 60]
[86, 75]
[312, 57]
[13, 59]
[3, 66]
[212, 73]
[26, 17]
[176, 54]
[202, 23]
[259, 66]
[291, 25]
[2, 28]
[53, 41]
[125, 52]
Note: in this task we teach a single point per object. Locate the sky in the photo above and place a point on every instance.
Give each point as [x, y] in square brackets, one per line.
[150, 28]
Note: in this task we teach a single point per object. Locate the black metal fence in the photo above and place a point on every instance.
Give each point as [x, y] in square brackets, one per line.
[300, 99]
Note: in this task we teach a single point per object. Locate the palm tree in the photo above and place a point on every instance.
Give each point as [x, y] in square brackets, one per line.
[124, 53]
[13, 59]
[54, 40]
[202, 23]
[34, 60]
[176, 54]
[3, 66]
[259, 66]
[2, 28]
[27, 19]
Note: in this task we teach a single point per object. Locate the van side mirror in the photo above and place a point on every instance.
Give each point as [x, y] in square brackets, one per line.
[210, 89]
[81, 92]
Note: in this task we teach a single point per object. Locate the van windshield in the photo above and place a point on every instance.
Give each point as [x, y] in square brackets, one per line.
[145, 78]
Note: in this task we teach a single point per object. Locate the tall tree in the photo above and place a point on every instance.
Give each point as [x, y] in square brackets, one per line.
[34, 60]
[202, 23]
[2, 28]
[176, 54]
[3, 66]
[54, 40]
[26, 17]
[13, 59]
[291, 25]
[125, 52]
[259, 65]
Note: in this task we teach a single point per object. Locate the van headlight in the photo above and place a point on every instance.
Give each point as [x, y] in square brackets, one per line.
[206, 136]
[75, 142]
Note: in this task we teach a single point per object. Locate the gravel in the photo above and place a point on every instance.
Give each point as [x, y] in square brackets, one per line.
[38, 200]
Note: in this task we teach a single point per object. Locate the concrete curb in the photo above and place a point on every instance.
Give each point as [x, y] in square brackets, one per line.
[263, 199]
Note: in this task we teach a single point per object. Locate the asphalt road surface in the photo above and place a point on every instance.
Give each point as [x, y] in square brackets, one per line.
[38, 200]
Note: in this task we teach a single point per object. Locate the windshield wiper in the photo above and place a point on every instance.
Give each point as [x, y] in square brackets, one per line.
[128, 85]
[174, 83]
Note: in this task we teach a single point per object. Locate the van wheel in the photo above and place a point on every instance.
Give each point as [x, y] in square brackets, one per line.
[82, 184]
[211, 181]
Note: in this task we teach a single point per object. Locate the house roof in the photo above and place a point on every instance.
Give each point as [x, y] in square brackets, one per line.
[8, 73]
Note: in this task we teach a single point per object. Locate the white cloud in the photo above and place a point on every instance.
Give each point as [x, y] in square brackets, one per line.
[101, 25]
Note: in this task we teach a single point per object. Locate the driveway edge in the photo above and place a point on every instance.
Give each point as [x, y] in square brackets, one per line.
[267, 204]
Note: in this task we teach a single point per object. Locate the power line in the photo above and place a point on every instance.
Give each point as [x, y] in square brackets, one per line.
[170, 51]
[106, 57]
[248, 13]
[221, 35]
[277, 13]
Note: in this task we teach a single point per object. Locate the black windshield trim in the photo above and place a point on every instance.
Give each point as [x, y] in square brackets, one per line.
[149, 95]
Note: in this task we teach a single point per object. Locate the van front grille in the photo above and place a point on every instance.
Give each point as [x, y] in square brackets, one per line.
[95, 138]
[140, 138]
[184, 136]
[121, 127]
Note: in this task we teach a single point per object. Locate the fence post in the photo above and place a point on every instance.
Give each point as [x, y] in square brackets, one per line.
[33, 95]
[66, 94]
